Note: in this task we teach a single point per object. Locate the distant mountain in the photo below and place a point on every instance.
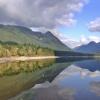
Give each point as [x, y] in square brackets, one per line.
[71, 43]
[92, 47]
[23, 35]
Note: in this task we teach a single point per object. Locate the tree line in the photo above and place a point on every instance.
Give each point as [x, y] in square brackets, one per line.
[8, 49]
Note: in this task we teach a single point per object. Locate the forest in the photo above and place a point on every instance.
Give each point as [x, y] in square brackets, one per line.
[8, 49]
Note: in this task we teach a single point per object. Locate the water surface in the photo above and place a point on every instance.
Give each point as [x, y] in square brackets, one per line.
[47, 80]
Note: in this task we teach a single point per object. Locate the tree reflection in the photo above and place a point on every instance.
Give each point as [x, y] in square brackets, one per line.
[12, 68]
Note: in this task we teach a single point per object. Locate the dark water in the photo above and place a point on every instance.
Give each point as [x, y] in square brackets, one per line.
[47, 80]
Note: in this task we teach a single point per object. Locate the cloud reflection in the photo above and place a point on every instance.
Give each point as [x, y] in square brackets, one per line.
[95, 87]
[47, 91]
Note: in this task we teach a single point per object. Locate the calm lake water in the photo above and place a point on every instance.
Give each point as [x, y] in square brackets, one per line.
[50, 80]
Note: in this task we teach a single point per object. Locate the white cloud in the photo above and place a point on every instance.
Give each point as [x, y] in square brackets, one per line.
[94, 38]
[94, 25]
[40, 13]
[85, 40]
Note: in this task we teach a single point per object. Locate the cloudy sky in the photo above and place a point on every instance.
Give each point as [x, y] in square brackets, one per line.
[77, 21]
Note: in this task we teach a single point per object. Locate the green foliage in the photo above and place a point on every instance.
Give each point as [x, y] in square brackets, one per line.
[7, 50]
[13, 68]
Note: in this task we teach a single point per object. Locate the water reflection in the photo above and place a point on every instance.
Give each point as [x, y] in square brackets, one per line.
[74, 83]
[13, 68]
[80, 79]
[95, 87]
[47, 91]
[73, 70]
[50, 81]
[14, 83]
[91, 65]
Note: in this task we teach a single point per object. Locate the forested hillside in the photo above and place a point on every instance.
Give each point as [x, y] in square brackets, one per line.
[23, 35]
[8, 49]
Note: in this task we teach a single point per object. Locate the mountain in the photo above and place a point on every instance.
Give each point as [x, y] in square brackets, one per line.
[91, 47]
[71, 43]
[23, 35]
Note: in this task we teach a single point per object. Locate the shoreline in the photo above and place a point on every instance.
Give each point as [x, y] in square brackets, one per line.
[25, 58]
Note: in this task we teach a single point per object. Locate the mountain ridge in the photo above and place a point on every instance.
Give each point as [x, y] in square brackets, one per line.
[91, 47]
[24, 35]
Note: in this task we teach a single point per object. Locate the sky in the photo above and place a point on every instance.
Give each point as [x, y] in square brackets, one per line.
[83, 30]
[74, 22]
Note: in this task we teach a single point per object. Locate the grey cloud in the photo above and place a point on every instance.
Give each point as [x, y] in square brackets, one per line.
[39, 13]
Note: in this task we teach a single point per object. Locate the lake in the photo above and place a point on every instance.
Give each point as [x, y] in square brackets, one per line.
[61, 79]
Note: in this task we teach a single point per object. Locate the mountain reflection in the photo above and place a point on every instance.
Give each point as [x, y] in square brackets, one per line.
[73, 83]
[14, 83]
[74, 70]
[47, 80]
[91, 65]
[47, 91]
